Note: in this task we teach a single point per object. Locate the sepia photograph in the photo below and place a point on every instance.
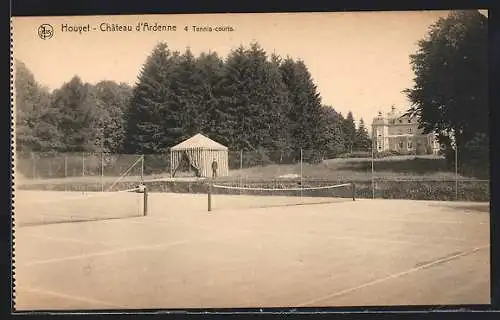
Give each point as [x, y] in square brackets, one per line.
[252, 160]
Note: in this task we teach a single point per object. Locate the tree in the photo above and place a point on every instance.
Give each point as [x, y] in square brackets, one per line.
[349, 130]
[33, 133]
[112, 101]
[253, 98]
[275, 100]
[362, 141]
[450, 92]
[333, 132]
[186, 95]
[153, 123]
[76, 116]
[305, 116]
[211, 69]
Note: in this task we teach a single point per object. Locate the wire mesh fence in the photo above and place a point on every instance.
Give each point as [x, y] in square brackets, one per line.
[463, 176]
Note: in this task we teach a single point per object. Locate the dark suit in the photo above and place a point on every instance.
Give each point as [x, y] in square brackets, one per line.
[214, 169]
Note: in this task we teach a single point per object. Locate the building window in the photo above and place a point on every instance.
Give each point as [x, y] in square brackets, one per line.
[410, 145]
[409, 130]
[409, 120]
[400, 144]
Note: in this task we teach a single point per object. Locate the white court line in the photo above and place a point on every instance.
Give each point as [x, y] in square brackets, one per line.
[393, 276]
[64, 239]
[415, 237]
[69, 296]
[78, 196]
[104, 253]
[362, 236]
[386, 240]
[165, 245]
[411, 220]
[352, 216]
[338, 211]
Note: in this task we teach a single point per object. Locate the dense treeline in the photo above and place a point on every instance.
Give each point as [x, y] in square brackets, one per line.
[73, 118]
[250, 101]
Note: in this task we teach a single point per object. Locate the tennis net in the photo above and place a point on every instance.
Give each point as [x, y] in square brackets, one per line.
[51, 207]
[259, 196]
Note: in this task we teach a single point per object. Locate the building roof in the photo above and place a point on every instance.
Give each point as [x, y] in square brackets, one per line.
[199, 141]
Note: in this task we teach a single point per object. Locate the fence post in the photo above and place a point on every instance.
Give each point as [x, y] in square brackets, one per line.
[301, 170]
[142, 169]
[65, 166]
[373, 172]
[456, 172]
[83, 164]
[241, 169]
[241, 159]
[102, 171]
[33, 162]
[65, 171]
[171, 165]
[50, 169]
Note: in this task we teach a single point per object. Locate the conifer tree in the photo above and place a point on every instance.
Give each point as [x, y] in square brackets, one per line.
[252, 99]
[363, 141]
[210, 120]
[305, 114]
[153, 122]
[349, 129]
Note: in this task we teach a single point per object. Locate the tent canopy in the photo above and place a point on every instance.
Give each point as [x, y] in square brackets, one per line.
[200, 152]
[199, 141]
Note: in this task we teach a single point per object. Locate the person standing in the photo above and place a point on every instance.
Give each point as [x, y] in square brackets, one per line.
[214, 168]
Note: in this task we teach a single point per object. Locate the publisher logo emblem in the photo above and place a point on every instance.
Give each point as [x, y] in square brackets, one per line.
[45, 31]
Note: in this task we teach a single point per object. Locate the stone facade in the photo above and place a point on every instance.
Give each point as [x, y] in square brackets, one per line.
[400, 133]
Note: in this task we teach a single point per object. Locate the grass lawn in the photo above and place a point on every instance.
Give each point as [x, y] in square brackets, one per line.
[360, 169]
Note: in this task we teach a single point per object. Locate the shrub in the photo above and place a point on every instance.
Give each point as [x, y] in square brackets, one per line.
[420, 150]
[356, 154]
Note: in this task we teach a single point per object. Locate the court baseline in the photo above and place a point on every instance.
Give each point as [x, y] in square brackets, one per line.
[68, 296]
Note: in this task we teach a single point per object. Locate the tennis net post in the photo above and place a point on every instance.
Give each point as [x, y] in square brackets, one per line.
[145, 213]
[209, 196]
[353, 185]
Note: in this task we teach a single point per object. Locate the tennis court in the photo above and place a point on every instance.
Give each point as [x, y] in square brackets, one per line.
[249, 251]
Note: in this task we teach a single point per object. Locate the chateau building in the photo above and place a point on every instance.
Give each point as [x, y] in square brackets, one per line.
[400, 133]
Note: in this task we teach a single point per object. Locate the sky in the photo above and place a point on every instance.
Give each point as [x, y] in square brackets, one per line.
[358, 60]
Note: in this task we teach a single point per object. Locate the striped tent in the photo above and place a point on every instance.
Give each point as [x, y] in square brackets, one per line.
[200, 151]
